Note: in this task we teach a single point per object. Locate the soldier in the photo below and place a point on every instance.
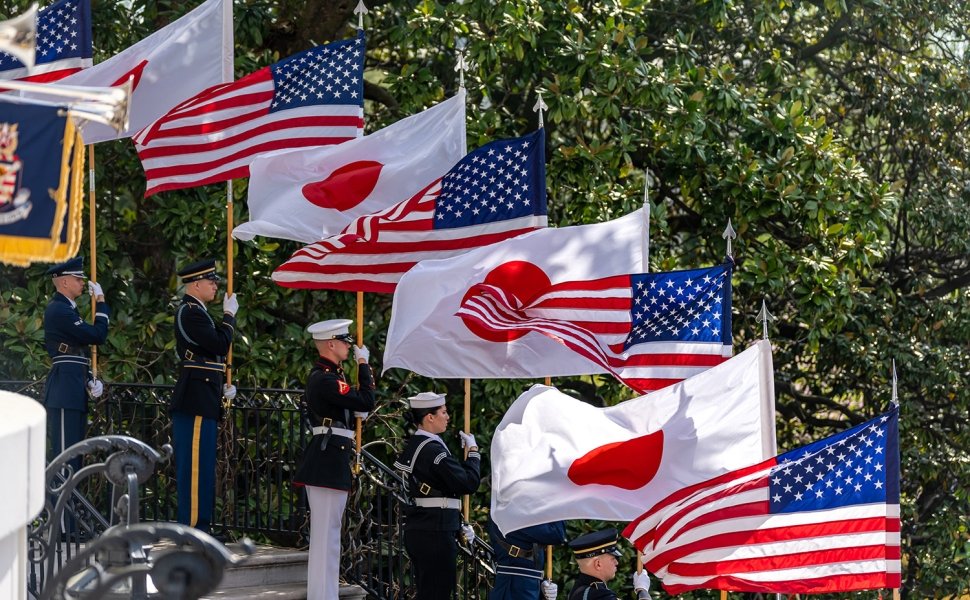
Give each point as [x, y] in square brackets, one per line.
[518, 561]
[596, 553]
[330, 404]
[67, 338]
[435, 480]
[202, 346]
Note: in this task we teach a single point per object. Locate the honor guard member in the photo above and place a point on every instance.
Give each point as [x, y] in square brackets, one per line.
[596, 554]
[202, 345]
[519, 561]
[331, 404]
[67, 339]
[435, 479]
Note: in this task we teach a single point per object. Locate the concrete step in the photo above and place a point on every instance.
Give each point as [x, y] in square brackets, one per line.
[292, 591]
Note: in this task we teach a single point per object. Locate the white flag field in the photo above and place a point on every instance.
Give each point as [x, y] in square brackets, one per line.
[558, 458]
[426, 336]
[306, 195]
[172, 64]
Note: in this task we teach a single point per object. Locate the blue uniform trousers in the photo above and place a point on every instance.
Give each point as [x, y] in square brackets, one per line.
[194, 441]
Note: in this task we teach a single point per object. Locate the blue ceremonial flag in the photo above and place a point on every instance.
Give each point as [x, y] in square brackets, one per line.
[63, 44]
[41, 171]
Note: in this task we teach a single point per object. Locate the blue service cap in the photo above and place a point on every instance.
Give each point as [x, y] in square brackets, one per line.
[595, 543]
[203, 269]
[74, 267]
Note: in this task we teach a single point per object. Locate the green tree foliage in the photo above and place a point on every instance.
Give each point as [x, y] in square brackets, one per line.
[833, 134]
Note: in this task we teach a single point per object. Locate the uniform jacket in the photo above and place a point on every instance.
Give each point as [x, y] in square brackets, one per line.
[588, 587]
[517, 577]
[445, 476]
[202, 347]
[67, 335]
[327, 459]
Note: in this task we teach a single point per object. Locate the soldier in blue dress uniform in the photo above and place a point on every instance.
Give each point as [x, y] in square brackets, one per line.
[202, 345]
[435, 480]
[596, 554]
[67, 339]
[519, 558]
[331, 405]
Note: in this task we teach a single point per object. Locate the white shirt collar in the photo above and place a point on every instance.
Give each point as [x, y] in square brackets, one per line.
[433, 436]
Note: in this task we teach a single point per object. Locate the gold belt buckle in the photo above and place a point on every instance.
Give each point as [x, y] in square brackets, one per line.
[425, 489]
[514, 551]
[327, 422]
[189, 355]
[63, 348]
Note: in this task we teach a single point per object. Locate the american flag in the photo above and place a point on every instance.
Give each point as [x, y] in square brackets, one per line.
[314, 98]
[63, 44]
[649, 330]
[823, 518]
[494, 193]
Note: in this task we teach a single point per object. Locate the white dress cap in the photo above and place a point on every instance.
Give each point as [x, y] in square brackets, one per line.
[331, 329]
[427, 400]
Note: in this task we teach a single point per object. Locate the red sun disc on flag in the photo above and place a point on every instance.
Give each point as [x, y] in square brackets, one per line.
[523, 280]
[629, 465]
[346, 187]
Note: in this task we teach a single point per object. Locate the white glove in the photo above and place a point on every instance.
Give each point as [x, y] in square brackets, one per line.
[360, 415]
[94, 288]
[467, 440]
[549, 589]
[641, 581]
[95, 388]
[468, 533]
[361, 352]
[230, 304]
[228, 391]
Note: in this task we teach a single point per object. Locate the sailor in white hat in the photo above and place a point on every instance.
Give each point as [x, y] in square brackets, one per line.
[331, 404]
[435, 480]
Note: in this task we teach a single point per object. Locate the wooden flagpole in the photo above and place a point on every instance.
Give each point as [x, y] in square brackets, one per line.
[229, 279]
[358, 425]
[549, 547]
[468, 427]
[93, 235]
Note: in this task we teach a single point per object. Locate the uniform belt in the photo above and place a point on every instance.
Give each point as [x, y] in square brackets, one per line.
[516, 551]
[200, 364]
[66, 349]
[452, 503]
[70, 359]
[347, 433]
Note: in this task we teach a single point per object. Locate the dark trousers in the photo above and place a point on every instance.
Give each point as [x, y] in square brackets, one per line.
[65, 428]
[434, 555]
[194, 442]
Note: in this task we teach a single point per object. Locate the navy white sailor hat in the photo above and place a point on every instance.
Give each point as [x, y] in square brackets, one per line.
[596, 543]
[426, 400]
[332, 329]
[203, 269]
[74, 267]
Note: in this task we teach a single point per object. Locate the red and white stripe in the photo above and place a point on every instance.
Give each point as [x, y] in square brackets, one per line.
[48, 72]
[720, 534]
[215, 135]
[375, 251]
[593, 319]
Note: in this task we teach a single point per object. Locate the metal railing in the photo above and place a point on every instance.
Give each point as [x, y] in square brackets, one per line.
[261, 441]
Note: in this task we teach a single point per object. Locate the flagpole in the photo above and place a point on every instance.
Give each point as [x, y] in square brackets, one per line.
[229, 287]
[359, 422]
[646, 221]
[227, 433]
[468, 427]
[93, 234]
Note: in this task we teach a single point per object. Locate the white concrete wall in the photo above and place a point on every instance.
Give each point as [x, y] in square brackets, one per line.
[22, 445]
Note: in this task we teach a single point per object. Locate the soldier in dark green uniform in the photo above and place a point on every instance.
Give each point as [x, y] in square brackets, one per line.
[331, 405]
[596, 554]
[202, 346]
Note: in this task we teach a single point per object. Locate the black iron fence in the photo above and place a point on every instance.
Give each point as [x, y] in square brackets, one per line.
[261, 440]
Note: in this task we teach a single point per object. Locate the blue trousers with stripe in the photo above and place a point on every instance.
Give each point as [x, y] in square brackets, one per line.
[194, 442]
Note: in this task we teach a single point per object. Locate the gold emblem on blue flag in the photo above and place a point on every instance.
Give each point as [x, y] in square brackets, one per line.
[41, 184]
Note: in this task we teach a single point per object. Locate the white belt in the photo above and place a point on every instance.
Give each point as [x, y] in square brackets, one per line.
[453, 503]
[347, 433]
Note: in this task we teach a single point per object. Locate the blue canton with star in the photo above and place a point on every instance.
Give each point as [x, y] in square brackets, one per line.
[858, 466]
[505, 179]
[63, 31]
[331, 74]
[681, 306]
